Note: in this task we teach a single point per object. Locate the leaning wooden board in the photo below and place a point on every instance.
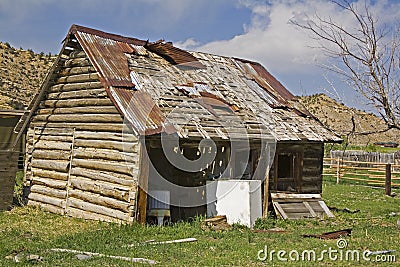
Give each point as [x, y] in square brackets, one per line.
[297, 206]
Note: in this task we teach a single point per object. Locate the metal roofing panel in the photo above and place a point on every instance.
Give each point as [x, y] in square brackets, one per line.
[140, 111]
[173, 54]
[107, 57]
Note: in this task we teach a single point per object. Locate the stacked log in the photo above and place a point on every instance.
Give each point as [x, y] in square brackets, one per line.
[79, 160]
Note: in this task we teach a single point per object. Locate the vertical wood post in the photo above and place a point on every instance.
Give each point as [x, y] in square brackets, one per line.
[388, 180]
[266, 193]
[337, 170]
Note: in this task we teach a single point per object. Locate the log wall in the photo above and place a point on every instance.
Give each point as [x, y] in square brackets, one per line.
[79, 162]
[310, 166]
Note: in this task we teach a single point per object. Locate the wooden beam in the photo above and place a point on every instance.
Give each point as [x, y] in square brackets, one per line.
[143, 184]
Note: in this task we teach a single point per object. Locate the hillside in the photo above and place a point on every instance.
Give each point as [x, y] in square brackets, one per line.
[21, 73]
[349, 122]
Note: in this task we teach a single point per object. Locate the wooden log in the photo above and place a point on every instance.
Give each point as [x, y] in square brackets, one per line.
[78, 102]
[48, 191]
[47, 199]
[62, 138]
[45, 206]
[119, 167]
[110, 177]
[388, 180]
[49, 174]
[49, 182]
[82, 205]
[79, 110]
[77, 62]
[124, 137]
[52, 145]
[77, 70]
[75, 86]
[105, 154]
[100, 187]
[78, 53]
[95, 93]
[94, 118]
[100, 200]
[62, 166]
[87, 215]
[107, 127]
[120, 146]
[40, 131]
[78, 78]
[51, 154]
[143, 186]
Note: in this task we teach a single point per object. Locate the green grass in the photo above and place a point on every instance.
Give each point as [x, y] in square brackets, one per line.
[27, 230]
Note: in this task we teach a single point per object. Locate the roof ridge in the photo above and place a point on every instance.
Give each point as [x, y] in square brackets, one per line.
[116, 37]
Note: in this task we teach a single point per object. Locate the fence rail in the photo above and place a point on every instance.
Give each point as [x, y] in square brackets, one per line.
[363, 172]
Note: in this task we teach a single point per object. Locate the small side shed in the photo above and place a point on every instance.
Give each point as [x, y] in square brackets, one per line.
[11, 150]
[118, 118]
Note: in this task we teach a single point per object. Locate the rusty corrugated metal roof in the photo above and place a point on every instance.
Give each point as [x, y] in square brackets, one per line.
[107, 57]
[237, 94]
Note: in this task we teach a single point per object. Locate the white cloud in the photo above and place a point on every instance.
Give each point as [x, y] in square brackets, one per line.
[279, 45]
[188, 44]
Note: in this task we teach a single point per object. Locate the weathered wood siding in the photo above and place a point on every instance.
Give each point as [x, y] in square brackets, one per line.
[79, 161]
[8, 169]
[309, 168]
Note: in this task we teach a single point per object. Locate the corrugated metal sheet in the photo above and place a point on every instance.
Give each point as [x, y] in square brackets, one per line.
[174, 55]
[141, 111]
[107, 57]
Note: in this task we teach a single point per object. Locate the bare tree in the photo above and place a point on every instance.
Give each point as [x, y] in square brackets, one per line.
[369, 56]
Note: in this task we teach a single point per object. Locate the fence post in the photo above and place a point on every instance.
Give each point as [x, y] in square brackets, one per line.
[388, 180]
[337, 170]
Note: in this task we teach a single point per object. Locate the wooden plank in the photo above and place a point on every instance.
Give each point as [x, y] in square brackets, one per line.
[309, 209]
[280, 210]
[294, 196]
[326, 209]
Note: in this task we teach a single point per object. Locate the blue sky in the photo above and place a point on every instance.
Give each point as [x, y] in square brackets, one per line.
[252, 29]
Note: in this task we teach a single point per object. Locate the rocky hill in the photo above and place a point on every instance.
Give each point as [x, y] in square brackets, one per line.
[360, 128]
[21, 73]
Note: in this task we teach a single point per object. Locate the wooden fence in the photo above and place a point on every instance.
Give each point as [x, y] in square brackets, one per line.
[362, 172]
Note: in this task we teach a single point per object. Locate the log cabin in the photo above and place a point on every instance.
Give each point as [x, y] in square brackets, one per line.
[118, 118]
